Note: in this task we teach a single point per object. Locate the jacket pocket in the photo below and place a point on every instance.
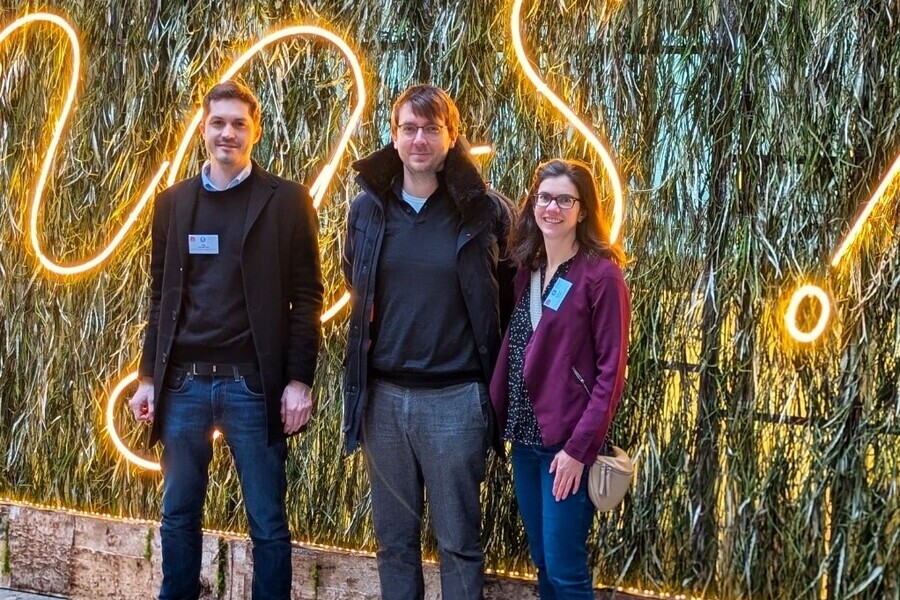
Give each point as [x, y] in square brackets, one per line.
[252, 384]
[581, 381]
[175, 380]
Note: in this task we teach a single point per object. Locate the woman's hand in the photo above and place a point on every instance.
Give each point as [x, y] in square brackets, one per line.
[568, 475]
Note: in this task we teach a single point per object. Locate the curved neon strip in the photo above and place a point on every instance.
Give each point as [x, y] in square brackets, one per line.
[336, 308]
[480, 150]
[321, 182]
[867, 210]
[111, 426]
[790, 315]
[44, 174]
[605, 157]
[839, 254]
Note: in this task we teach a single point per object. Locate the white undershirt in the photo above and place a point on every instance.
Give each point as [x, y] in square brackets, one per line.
[414, 201]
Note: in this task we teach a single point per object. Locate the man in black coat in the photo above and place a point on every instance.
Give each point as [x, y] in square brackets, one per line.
[423, 260]
[232, 341]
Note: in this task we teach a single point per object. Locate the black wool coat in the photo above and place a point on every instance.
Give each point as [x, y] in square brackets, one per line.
[282, 285]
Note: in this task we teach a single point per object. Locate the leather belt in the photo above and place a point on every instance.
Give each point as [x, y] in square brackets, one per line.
[218, 369]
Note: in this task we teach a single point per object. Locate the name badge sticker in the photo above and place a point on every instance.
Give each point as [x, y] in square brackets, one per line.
[557, 293]
[201, 243]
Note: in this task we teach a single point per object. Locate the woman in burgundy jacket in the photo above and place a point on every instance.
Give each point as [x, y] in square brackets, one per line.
[556, 386]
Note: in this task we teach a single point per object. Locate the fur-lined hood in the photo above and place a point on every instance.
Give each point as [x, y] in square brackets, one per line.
[462, 174]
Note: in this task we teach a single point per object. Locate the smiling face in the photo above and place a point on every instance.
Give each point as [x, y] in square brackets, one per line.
[555, 223]
[421, 154]
[229, 133]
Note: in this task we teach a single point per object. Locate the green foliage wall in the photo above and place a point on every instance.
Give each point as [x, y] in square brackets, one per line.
[748, 133]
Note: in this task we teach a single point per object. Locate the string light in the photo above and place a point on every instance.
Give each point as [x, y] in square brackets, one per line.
[312, 545]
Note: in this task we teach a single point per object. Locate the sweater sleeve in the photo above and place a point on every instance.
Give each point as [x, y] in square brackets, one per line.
[610, 320]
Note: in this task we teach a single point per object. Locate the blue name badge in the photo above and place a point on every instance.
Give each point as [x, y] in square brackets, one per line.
[201, 243]
[558, 293]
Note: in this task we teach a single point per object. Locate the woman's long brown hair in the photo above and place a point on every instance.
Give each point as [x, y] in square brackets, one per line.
[592, 233]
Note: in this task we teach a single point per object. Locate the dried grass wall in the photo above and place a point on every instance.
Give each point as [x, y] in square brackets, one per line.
[748, 132]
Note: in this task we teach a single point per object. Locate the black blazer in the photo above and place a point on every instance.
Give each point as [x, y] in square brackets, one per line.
[282, 285]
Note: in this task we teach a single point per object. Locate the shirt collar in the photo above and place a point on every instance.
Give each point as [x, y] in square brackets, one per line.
[397, 185]
[210, 187]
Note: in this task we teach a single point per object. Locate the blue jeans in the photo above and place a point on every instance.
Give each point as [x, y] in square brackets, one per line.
[435, 440]
[194, 407]
[557, 531]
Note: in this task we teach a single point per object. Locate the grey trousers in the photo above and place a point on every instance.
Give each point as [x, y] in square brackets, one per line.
[430, 440]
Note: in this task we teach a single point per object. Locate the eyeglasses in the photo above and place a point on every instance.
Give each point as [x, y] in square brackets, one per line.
[564, 201]
[409, 132]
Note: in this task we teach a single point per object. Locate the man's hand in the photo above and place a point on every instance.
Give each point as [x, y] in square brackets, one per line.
[296, 406]
[568, 475]
[141, 403]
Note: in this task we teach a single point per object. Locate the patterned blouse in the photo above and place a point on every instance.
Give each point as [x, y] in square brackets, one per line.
[521, 424]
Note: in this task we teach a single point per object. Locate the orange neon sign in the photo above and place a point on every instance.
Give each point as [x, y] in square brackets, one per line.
[815, 291]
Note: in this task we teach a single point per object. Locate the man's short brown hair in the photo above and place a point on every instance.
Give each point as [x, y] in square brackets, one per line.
[233, 90]
[430, 102]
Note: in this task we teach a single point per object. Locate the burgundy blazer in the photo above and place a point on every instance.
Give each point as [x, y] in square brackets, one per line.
[587, 338]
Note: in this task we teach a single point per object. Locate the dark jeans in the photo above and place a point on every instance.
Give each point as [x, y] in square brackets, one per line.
[557, 531]
[194, 407]
[417, 440]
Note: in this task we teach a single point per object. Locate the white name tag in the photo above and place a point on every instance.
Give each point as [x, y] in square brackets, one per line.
[199, 243]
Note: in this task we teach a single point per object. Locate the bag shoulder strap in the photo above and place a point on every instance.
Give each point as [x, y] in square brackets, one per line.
[534, 300]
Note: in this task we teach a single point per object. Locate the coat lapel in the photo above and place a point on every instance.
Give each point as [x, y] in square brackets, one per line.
[184, 217]
[260, 193]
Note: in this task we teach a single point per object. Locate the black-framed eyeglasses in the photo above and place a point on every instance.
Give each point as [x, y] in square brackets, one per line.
[564, 201]
[408, 131]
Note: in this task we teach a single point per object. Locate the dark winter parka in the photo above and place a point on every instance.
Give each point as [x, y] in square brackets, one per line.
[486, 279]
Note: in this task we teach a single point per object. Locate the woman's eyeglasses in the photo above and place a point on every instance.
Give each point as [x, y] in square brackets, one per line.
[564, 201]
[409, 132]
